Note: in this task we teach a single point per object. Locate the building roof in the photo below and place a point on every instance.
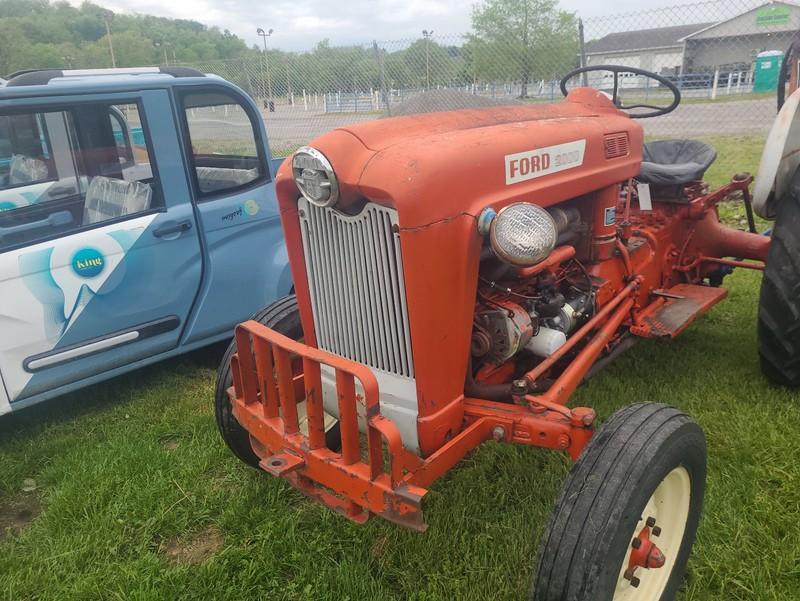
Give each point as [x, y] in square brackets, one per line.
[712, 26]
[661, 37]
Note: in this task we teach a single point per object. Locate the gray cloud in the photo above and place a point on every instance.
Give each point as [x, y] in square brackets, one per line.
[300, 24]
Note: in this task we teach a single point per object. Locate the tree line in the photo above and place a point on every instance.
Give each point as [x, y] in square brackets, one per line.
[519, 41]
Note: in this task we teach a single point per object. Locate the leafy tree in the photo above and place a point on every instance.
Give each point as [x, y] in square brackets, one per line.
[40, 34]
[523, 40]
[430, 64]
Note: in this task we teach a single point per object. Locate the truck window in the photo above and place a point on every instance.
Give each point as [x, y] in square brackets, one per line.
[63, 171]
[223, 142]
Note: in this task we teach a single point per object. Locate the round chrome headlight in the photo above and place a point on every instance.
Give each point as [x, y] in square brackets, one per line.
[314, 176]
[523, 234]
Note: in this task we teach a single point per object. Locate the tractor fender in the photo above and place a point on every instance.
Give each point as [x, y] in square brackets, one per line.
[780, 159]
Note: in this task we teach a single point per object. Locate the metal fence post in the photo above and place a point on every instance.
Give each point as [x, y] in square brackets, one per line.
[382, 73]
[582, 41]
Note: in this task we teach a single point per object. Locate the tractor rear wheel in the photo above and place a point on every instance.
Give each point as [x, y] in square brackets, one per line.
[626, 519]
[779, 304]
[282, 316]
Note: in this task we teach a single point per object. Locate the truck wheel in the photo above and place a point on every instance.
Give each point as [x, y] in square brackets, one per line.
[778, 306]
[633, 498]
[283, 317]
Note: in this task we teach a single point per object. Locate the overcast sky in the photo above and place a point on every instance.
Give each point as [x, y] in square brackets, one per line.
[299, 24]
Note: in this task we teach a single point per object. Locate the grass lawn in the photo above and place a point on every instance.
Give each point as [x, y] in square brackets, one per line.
[125, 491]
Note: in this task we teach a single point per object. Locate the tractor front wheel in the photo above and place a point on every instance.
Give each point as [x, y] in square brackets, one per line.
[626, 519]
[283, 316]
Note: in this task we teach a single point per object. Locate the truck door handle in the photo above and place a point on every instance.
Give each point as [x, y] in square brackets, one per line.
[171, 227]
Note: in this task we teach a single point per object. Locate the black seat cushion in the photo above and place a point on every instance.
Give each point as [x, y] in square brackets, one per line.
[675, 162]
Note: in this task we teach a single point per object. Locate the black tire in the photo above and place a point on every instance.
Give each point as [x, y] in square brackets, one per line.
[779, 303]
[282, 316]
[604, 496]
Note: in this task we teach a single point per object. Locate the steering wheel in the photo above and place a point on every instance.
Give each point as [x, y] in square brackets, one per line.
[616, 70]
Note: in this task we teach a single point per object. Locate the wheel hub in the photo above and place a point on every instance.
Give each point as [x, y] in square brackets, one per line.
[651, 553]
[645, 553]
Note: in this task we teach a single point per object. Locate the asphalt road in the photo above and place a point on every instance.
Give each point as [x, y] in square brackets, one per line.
[715, 118]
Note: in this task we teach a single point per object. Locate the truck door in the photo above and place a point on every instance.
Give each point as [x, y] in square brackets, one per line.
[246, 262]
[99, 251]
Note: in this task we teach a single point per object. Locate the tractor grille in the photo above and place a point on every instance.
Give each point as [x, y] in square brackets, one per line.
[355, 273]
[616, 145]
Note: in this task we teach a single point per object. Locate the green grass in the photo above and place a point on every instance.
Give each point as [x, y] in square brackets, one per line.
[735, 154]
[140, 499]
[127, 469]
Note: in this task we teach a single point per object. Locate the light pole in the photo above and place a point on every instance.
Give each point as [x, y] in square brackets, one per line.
[427, 35]
[264, 35]
[107, 16]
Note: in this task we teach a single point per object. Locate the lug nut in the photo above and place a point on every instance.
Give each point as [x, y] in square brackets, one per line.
[635, 582]
[636, 543]
[657, 531]
[651, 521]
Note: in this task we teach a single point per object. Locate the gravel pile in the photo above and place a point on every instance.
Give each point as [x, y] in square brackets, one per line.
[435, 101]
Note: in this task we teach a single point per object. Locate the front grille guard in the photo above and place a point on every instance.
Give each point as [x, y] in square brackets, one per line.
[264, 396]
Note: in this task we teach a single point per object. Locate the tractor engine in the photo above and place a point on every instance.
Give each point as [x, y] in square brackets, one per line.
[530, 297]
[529, 314]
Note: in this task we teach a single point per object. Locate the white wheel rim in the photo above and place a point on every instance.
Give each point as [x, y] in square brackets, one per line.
[669, 505]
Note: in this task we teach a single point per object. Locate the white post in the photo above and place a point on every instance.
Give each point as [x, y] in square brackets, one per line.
[714, 85]
[730, 81]
[739, 81]
[305, 100]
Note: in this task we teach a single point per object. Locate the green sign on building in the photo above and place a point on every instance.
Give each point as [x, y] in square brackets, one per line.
[773, 15]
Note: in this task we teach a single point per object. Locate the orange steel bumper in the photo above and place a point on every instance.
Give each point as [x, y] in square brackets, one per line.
[373, 473]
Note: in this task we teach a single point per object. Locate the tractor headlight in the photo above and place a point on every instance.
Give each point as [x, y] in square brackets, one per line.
[523, 234]
[314, 176]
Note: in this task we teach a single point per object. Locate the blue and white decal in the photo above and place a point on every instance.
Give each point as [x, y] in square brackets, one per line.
[47, 286]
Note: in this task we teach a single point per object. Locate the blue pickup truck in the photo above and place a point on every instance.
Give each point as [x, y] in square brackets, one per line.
[137, 221]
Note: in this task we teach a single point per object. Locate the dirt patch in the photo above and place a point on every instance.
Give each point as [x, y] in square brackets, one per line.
[435, 101]
[170, 441]
[195, 549]
[17, 514]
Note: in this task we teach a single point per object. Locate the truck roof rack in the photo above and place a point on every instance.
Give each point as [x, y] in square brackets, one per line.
[38, 77]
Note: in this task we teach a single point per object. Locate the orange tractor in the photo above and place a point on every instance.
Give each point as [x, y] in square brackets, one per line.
[457, 276]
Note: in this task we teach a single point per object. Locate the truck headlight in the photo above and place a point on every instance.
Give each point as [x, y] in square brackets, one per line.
[314, 176]
[523, 234]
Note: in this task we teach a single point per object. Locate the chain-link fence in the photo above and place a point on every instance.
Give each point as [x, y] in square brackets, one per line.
[724, 56]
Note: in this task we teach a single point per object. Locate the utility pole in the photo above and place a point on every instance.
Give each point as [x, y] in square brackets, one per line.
[427, 35]
[163, 46]
[264, 35]
[107, 16]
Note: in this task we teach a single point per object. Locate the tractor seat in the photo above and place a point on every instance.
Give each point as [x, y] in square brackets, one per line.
[675, 162]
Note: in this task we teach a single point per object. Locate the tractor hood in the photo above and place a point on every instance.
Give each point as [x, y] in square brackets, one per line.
[435, 166]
